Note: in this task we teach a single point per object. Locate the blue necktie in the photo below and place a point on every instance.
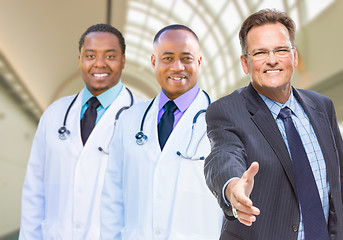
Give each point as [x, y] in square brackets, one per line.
[89, 118]
[315, 226]
[165, 126]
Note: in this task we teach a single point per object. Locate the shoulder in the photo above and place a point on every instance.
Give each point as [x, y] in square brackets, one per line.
[312, 98]
[55, 112]
[229, 101]
[59, 105]
[139, 106]
[136, 111]
[312, 94]
[131, 119]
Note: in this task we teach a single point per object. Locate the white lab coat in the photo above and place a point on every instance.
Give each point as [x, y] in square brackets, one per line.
[149, 194]
[64, 179]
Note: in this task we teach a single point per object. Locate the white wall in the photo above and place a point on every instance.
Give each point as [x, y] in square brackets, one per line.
[17, 130]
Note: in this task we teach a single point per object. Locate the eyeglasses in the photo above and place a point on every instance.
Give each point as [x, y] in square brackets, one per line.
[262, 55]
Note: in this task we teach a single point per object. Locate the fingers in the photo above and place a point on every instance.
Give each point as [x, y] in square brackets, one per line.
[248, 178]
[244, 218]
[238, 193]
[245, 215]
[251, 172]
[246, 210]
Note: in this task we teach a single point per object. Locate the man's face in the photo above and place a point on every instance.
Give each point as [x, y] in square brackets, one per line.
[101, 61]
[270, 76]
[176, 61]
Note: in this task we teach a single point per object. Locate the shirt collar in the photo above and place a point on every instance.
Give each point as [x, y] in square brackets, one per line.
[183, 101]
[275, 107]
[105, 98]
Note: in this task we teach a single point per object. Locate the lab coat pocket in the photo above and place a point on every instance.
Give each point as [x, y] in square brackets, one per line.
[198, 213]
[129, 234]
[178, 236]
[54, 231]
[48, 232]
[191, 177]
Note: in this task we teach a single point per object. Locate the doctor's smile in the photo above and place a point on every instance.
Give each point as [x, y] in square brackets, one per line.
[177, 78]
[100, 76]
[101, 61]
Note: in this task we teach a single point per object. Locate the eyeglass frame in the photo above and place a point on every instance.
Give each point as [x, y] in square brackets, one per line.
[275, 51]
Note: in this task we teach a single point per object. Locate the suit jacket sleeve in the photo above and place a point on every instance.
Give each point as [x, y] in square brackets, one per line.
[228, 156]
[339, 143]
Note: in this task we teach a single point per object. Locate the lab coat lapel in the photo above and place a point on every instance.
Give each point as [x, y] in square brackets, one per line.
[150, 126]
[181, 135]
[103, 131]
[73, 123]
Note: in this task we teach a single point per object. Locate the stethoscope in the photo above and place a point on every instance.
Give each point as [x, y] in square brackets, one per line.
[141, 138]
[64, 132]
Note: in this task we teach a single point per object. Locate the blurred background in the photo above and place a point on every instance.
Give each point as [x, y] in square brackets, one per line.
[39, 52]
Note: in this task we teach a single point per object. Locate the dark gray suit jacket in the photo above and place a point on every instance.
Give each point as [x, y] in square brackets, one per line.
[242, 130]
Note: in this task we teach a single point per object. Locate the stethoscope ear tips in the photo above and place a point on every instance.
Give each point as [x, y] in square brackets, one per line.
[141, 138]
[63, 133]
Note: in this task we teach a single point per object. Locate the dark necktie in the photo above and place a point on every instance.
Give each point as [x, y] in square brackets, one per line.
[315, 226]
[89, 118]
[166, 123]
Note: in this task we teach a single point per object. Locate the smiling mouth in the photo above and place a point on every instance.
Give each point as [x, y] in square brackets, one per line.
[273, 71]
[100, 75]
[176, 78]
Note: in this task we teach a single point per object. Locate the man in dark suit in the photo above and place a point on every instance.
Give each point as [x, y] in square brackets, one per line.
[276, 163]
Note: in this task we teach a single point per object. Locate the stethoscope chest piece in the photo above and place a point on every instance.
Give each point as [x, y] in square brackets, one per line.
[63, 133]
[141, 138]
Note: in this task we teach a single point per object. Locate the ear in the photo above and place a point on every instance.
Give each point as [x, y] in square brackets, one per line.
[153, 61]
[79, 60]
[296, 58]
[199, 60]
[244, 63]
[123, 60]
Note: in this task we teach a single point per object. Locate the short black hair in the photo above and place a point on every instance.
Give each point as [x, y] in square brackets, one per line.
[174, 27]
[102, 27]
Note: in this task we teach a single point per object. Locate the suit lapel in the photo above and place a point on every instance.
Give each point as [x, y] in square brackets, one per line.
[323, 132]
[263, 119]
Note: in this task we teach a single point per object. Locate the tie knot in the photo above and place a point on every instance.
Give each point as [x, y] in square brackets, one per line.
[285, 113]
[170, 106]
[93, 102]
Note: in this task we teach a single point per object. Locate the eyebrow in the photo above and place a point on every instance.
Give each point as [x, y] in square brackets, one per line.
[266, 49]
[185, 53]
[108, 50]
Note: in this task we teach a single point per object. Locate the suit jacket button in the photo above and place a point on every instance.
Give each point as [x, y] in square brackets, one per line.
[215, 194]
[295, 228]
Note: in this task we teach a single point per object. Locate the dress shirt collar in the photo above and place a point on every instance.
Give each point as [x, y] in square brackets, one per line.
[275, 107]
[183, 101]
[105, 98]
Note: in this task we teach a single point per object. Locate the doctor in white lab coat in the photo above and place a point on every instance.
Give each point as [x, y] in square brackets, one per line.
[153, 192]
[64, 179]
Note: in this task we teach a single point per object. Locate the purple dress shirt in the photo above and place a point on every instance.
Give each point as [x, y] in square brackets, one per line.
[182, 102]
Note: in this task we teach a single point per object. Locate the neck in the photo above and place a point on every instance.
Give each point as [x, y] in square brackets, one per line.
[277, 95]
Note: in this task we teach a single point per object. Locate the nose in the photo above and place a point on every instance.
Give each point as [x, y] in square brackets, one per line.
[100, 62]
[177, 65]
[272, 59]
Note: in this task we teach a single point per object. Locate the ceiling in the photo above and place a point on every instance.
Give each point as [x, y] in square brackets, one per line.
[39, 41]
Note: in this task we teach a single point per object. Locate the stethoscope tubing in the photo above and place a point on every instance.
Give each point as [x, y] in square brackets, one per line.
[141, 138]
[64, 132]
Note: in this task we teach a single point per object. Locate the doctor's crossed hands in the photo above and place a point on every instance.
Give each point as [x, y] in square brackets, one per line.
[238, 192]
